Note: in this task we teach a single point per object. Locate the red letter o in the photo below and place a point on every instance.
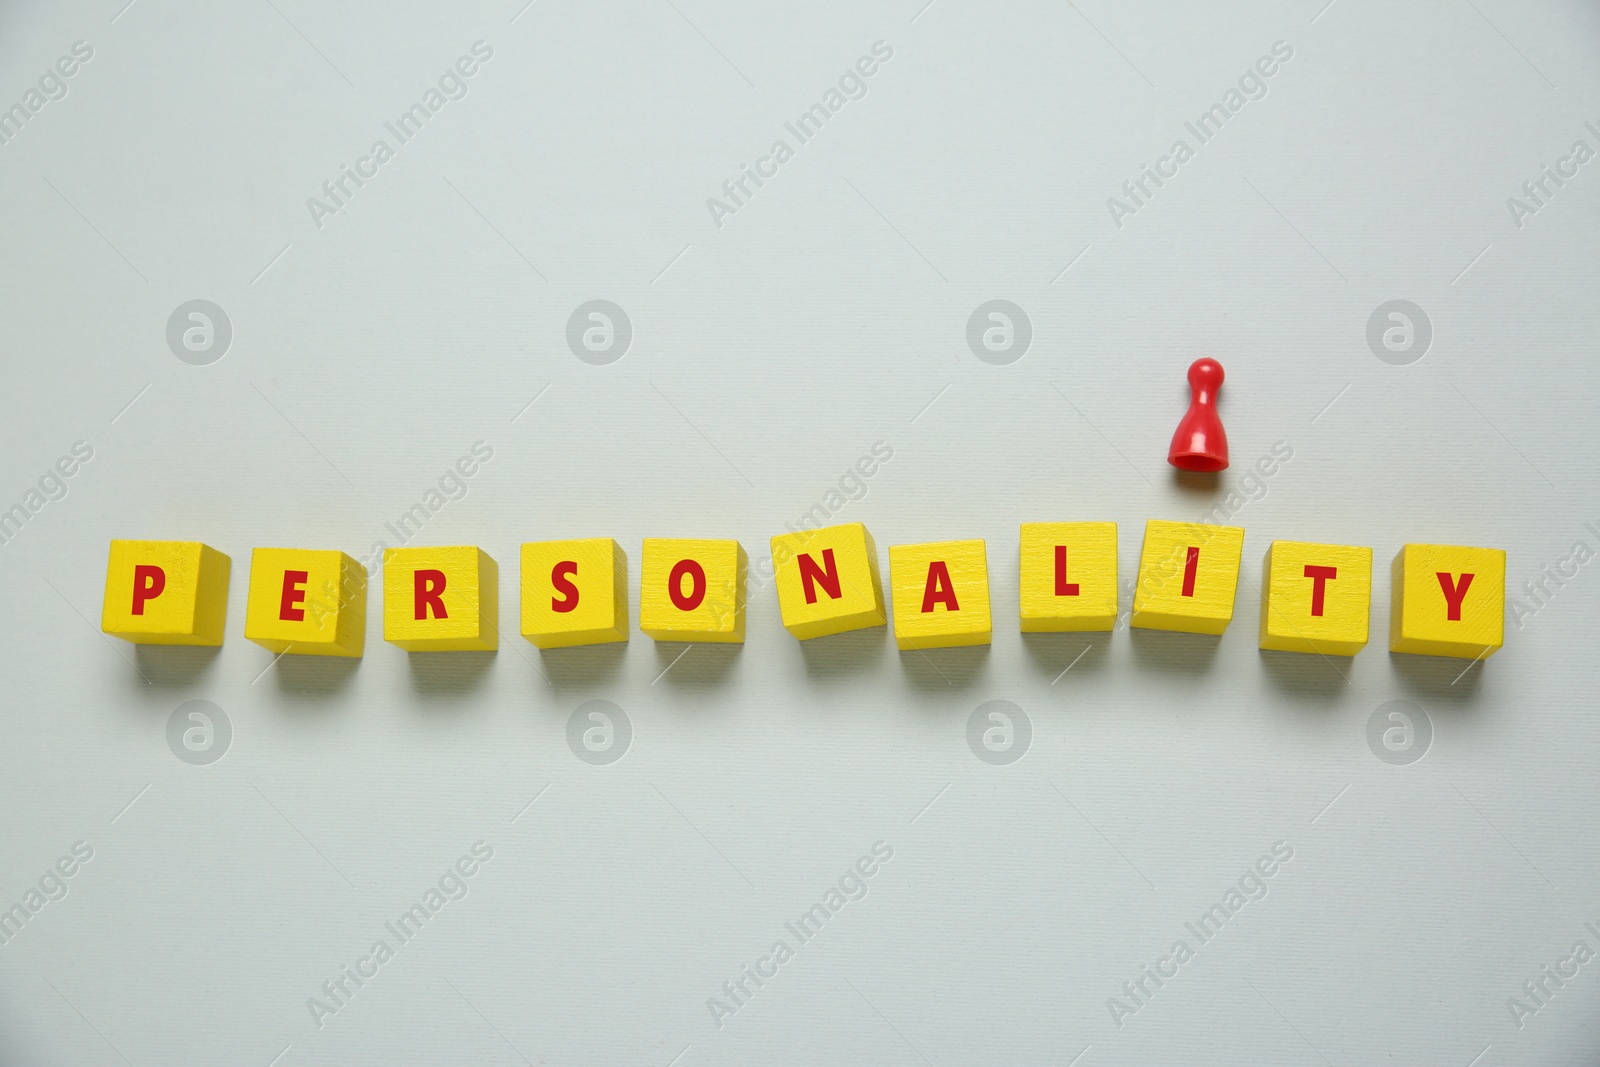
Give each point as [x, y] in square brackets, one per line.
[697, 585]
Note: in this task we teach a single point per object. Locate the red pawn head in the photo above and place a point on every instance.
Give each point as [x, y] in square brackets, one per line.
[1200, 443]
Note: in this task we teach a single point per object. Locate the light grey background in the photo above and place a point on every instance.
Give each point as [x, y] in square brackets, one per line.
[768, 355]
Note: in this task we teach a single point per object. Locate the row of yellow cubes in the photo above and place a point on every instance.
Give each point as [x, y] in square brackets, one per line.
[1446, 600]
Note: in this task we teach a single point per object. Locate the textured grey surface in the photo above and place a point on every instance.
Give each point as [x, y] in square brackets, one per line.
[768, 354]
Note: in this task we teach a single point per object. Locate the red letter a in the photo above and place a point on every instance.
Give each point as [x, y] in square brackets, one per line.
[939, 589]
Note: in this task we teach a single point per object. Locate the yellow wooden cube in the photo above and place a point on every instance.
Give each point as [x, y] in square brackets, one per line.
[1315, 598]
[574, 592]
[692, 590]
[1448, 600]
[1069, 576]
[941, 594]
[165, 593]
[310, 602]
[1188, 574]
[828, 580]
[441, 599]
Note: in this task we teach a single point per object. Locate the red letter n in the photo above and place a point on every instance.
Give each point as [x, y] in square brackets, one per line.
[811, 576]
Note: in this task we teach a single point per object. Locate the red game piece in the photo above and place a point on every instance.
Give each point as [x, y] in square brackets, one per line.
[1200, 443]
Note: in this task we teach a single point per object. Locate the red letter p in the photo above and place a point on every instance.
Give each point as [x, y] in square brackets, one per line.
[148, 582]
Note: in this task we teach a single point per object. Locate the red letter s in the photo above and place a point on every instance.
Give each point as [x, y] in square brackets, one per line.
[561, 578]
